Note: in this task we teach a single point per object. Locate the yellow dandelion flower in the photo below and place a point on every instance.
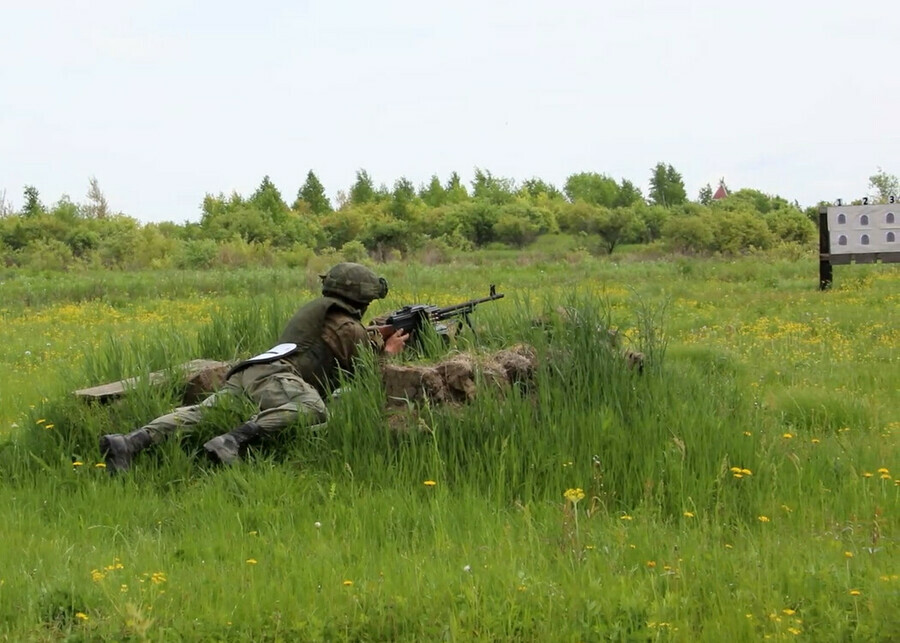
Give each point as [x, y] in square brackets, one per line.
[855, 592]
[100, 465]
[158, 578]
[429, 483]
[885, 476]
[348, 583]
[727, 546]
[49, 426]
[574, 495]
[884, 470]
[626, 517]
[746, 472]
[651, 563]
[815, 440]
[794, 631]
[123, 588]
[81, 615]
[97, 575]
[735, 469]
[688, 514]
[763, 518]
[787, 436]
[867, 474]
[748, 433]
[77, 463]
[40, 421]
[788, 611]
[251, 561]
[738, 475]
[848, 554]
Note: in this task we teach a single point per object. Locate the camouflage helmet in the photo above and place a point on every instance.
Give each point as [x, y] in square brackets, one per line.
[354, 282]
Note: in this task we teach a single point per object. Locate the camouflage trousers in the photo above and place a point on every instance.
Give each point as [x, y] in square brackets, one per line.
[280, 395]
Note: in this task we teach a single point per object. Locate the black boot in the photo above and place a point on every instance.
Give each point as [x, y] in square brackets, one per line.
[228, 447]
[118, 450]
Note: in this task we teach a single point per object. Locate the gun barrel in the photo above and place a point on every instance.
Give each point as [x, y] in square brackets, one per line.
[468, 306]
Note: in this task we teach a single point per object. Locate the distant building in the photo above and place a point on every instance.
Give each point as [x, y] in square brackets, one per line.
[721, 193]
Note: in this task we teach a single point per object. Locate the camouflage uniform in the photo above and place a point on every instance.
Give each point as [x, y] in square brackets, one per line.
[326, 335]
[286, 388]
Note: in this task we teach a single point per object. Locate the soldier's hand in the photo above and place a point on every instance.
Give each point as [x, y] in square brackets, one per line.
[386, 330]
[395, 343]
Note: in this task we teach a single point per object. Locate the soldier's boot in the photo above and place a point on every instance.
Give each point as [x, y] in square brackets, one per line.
[118, 450]
[229, 447]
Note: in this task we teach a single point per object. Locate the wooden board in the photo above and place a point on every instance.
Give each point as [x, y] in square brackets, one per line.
[200, 375]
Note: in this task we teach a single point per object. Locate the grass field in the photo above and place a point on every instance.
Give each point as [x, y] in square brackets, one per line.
[745, 487]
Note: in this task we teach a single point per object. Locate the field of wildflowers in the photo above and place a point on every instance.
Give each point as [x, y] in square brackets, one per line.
[746, 486]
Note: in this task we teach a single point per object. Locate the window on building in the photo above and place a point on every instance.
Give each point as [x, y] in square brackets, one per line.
[842, 218]
[891, 238]
[864, 240]
[889, 217]
[842, 240]
[864, 220]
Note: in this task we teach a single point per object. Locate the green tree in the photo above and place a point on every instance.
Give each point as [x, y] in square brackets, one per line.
[533, 188]
[434, 196]
[492, 188]
[706, 194]
[363, 189]
[401, 198]
[593, 188]
[456, 191]
[96, 207]
[6, 208]
[313, 194]
[629, 194]
[268, 199]
[33, 206]
[884, 186]
[666, 186]
[615, 226]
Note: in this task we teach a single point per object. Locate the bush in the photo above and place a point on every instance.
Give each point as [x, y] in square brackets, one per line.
[47, 255]
[688, 234]
[354, 251]
[791, 226]
[197, 254]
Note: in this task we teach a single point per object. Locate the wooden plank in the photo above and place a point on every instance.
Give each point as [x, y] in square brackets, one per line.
[200, 376]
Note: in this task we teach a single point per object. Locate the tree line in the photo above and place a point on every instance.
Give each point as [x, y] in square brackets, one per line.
[390, 222]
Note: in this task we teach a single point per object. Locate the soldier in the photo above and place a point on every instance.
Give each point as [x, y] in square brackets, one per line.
[288, 380]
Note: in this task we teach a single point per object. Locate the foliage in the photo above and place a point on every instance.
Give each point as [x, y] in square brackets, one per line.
[884, 185]
[397, 221]
[312, 193]
[666, 186]
[601, 504]
[363, 189]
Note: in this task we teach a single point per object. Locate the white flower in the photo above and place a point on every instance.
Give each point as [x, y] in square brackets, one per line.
[467, 568]
[317, 525]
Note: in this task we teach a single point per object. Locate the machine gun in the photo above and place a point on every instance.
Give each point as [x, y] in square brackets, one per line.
[413, 317]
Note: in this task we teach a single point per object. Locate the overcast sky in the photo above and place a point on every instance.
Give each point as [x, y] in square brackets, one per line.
[165, 101]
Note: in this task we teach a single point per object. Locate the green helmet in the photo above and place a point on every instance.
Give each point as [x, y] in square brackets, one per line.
[355, 283]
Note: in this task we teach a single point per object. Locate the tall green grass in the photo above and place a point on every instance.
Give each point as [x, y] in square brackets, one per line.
[725, 496]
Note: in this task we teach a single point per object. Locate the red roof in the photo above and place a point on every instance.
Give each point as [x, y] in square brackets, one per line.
[721, 193]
